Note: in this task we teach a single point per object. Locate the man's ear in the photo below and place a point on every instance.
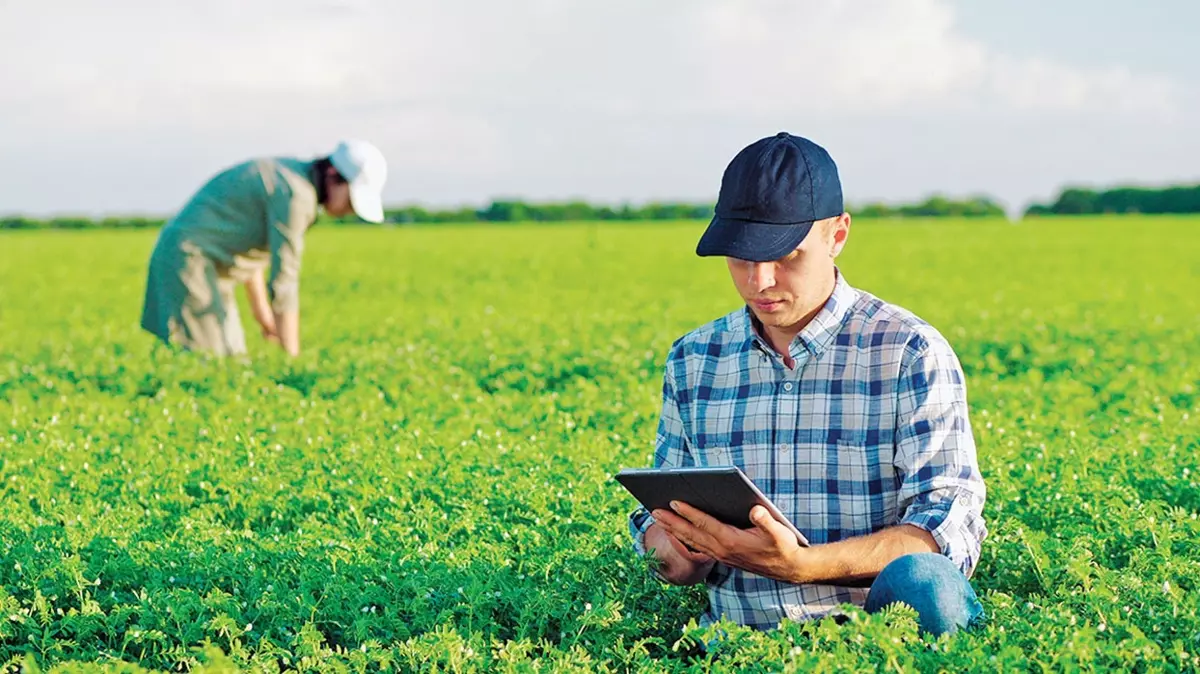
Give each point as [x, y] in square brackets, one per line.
[838, 234]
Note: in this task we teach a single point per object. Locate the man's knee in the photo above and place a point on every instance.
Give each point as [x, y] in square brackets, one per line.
[932, 585]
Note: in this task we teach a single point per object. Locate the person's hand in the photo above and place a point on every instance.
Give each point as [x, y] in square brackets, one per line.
[266, 321]
[286, 327]
[269, 333]
[679, 566]
[769, 549]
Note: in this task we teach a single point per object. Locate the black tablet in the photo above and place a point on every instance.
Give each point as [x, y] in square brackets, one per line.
[724, 492]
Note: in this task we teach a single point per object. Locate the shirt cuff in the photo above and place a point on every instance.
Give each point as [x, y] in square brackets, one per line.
[949, 525]
[639, 522]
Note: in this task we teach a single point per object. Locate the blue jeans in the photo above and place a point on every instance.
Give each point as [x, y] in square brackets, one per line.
[933, 586]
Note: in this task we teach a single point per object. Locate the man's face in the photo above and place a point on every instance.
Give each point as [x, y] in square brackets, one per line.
[337, 195]
[781, 293]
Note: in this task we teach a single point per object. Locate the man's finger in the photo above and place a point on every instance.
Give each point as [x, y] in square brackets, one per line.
[668, 519]
[695, 556]
[686, 532]
[673, 524]
[696, 551]
[700, 519]
[677, 537]
[677, 525]
[762, 518]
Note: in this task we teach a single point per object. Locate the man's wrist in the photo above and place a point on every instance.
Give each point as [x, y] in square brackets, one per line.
[810, 565]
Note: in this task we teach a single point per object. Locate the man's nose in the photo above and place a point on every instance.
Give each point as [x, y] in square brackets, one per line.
[762, 275]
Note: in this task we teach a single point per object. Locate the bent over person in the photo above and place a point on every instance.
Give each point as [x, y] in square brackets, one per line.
[848, 412]
[249, 217]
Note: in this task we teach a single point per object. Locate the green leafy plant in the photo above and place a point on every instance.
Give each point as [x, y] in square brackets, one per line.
[428, 486]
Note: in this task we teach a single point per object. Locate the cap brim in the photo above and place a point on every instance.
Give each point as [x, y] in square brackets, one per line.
[367, 202]
[750, 240]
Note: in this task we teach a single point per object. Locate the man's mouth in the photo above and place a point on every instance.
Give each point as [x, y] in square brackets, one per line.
[767, 305]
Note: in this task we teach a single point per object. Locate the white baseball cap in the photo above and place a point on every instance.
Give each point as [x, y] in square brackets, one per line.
[363, 166]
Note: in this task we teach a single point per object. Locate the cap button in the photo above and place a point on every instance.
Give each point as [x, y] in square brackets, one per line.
[782, 134]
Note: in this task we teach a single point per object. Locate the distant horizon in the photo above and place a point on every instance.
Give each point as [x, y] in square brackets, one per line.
[851, 203]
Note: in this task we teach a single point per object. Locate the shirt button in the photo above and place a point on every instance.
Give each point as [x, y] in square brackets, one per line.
[787, 386]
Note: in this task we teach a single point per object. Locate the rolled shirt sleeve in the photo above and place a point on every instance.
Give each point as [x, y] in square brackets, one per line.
[289, 215]
[670, 451]
[942, 490]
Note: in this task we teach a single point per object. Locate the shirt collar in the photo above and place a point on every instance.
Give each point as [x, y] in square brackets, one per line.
[821, 332]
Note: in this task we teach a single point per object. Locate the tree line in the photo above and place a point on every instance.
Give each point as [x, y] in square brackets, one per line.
[1072, 201]
[502, 211]
[1152, 201]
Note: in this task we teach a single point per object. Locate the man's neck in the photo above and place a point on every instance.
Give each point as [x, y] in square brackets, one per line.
[781, 338]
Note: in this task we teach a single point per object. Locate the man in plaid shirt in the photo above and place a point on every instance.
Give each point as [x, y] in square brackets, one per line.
[848, 412]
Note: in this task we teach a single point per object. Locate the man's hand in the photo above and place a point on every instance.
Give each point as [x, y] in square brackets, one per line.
[680, 566]
[769, 549]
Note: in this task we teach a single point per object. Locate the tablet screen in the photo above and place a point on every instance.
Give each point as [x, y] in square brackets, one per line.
[724, 492]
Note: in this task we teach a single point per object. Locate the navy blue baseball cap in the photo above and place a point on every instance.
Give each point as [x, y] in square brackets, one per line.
[771, 194]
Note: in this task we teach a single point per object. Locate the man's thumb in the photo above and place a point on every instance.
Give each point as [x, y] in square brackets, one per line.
[761, 517]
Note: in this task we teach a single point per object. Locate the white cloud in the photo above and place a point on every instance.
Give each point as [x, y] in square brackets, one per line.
[471, 97]
[1037, 85]
[862, 57]
[869, 57]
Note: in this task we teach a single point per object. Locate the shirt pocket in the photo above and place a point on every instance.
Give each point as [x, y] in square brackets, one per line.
[724, 435]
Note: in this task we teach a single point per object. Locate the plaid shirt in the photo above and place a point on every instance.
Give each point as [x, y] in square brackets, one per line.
[869, 430]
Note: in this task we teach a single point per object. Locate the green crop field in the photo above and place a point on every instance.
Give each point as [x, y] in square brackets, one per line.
[428, 486]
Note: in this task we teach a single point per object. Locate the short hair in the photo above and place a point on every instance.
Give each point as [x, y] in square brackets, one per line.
[826, 227]
[322, 165]
[320, 168]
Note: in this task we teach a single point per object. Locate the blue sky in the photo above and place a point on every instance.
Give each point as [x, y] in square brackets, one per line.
[127, 107]
[1155, 36]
